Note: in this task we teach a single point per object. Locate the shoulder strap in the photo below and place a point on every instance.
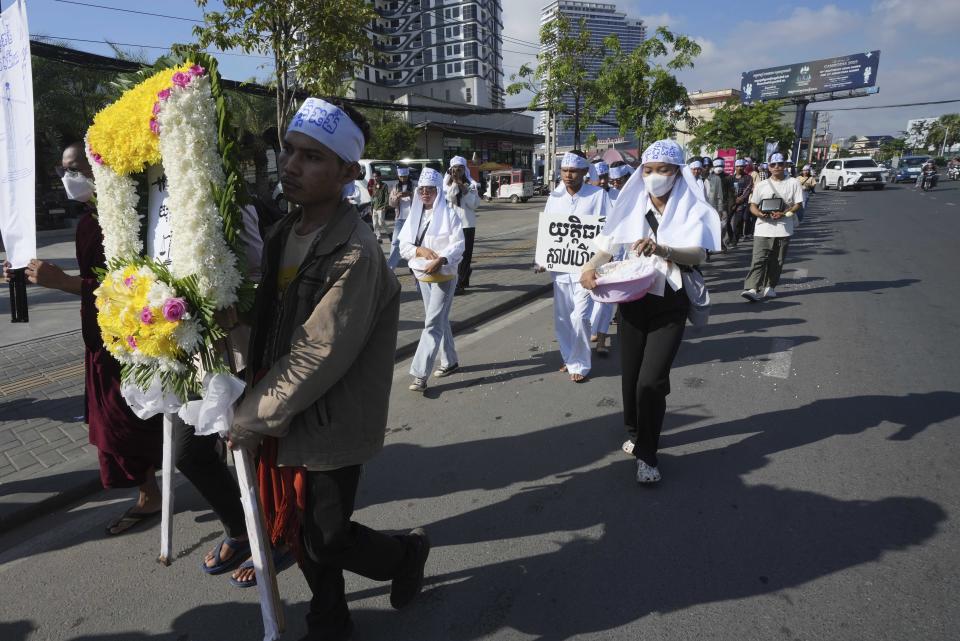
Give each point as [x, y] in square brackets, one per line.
[423, 234]
[652, 221]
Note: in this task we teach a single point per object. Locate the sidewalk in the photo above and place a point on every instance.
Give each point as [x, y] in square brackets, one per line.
[45, 459]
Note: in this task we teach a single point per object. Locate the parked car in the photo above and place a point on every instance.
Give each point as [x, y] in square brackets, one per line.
[851, 173]
[515, 185]
[909, 169]
[416, 165]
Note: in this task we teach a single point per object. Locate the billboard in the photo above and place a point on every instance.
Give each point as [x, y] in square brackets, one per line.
[855, 71]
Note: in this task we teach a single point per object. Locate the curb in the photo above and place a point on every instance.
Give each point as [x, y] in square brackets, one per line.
[88, 481]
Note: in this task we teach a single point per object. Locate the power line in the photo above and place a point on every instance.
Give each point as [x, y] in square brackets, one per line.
[142, 13]
[906, 104]
[139, 46]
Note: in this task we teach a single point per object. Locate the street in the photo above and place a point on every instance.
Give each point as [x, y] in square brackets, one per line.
[809, 457]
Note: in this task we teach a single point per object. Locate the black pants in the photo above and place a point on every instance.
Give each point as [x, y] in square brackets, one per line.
[333, 543]
[464, 270]
[650, 332]
[199, 459]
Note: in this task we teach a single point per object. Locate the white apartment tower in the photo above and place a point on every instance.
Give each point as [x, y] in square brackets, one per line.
[444, 49]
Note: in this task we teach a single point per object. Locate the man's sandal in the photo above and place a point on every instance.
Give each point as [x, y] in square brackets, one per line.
[281, 561]
[129, 520]
[241, 552]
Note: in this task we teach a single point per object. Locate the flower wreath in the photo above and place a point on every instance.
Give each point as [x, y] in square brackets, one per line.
[155, 318]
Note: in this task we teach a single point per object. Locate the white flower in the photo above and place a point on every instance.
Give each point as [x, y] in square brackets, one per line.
[187, 335]
[160, 293]
[116, 211]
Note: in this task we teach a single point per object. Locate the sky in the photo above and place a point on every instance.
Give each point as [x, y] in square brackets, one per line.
[917, 63]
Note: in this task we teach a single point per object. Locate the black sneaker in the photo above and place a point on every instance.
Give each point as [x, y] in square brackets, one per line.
[409, 581]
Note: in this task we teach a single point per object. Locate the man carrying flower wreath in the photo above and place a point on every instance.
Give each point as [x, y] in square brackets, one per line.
[322, 354]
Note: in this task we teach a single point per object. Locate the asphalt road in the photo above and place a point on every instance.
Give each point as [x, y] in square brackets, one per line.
[810, 480]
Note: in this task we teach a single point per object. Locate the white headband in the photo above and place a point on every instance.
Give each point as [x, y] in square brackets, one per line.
[718, 163]
[430, 178]
[776, 158]
[571, 160]
[403, 171]
[619, 171]
[603, 168]
[331, 127]
[696, 164]
[668, 151]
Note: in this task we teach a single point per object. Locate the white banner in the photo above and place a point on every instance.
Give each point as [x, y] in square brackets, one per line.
[17, 208]
[564, 241]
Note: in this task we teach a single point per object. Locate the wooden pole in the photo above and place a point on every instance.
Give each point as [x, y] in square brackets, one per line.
[166, 497]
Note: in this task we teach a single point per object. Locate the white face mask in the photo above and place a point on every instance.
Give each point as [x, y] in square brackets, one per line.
[718, 170]
[658, 184]
[78, 187]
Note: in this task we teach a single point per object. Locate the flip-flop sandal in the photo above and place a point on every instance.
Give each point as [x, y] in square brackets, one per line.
[241, 551]
[129, 520]
[281, 561]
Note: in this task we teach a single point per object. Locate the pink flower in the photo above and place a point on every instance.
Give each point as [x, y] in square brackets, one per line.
[146, 316]
[174, 309]
[197, 70]
[155, 126]
[128, 281]
[156, 108]
[163, 95]
[132, 342]
[181, 79]
[97, 158]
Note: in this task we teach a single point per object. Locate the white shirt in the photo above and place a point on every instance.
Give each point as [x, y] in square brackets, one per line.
[469, 199]
[589, 201]
[791, 192]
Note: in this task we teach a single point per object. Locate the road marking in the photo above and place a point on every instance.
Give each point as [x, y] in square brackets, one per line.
[778, 362]
[952, 204]
[799, 274]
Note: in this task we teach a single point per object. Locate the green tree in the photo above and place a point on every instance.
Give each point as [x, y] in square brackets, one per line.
[316, 46]
[944, 133]
[393, 137]
[641, 88]
[561, 74]
[744, 127]
[891, 148]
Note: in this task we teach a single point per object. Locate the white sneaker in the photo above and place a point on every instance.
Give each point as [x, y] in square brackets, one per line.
[627, 447]
[646, 473]
[769, 292]
[751, 295]
[418, 385]
[446, 371]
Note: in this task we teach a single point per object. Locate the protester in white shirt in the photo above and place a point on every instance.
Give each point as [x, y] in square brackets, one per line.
[661, 213]
[432, 243]
[773, 229]
[571, 302]
[463, 196]
[401, 198]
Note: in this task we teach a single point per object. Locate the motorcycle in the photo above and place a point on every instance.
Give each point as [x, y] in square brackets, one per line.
[953, 173]
[928, 179]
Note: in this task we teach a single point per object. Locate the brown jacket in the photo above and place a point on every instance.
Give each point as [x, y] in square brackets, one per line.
[328, 347]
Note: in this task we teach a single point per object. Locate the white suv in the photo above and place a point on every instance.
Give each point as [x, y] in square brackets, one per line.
[852, 173]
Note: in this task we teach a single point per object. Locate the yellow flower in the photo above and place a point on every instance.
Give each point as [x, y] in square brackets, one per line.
[121, 132]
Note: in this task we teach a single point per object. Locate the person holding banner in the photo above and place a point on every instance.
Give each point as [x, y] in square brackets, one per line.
[128, 448]
[321, 367]
[660, 212]
[571, 302]
[433, 245]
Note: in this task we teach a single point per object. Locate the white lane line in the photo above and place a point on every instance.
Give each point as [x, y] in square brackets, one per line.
[952, 204]
[799, 274]
[780, 357]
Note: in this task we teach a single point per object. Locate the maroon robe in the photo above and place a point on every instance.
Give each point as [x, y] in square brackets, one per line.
[128, 446]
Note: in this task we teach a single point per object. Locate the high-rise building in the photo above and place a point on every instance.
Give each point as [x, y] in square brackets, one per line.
[601, 20]
[446, 50]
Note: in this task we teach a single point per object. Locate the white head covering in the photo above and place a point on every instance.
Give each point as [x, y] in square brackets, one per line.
[776, 158]
[718, 162]
[571, 160]
[688, 221]
[403, 171]
[430, 177]
[619, 171]
[330, 126]
[460, 161]
[593, 174]
[603, 168]
[806, 168]
[740, 162]
[696, 164]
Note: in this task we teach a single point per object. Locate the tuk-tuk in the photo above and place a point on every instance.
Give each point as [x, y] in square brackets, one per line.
[515, 185]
